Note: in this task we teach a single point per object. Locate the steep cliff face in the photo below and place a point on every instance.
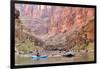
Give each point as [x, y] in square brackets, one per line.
[25, 41]
[70, 18]
[57, 26]
[54, 19]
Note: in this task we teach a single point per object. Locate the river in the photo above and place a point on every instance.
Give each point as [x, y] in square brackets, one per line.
[22, 60]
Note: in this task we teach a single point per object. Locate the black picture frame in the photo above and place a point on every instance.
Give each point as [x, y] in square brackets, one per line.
[12, 34]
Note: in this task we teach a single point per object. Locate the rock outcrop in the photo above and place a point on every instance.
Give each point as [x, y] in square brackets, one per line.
[56, 27]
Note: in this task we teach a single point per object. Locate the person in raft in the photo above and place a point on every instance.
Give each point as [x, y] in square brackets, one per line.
[37, 53]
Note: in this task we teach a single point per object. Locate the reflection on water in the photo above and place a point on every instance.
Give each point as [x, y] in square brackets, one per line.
[20, 60]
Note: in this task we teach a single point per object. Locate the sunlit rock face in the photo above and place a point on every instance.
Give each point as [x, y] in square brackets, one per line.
[57, 25]
[53, 20]
[70, 18]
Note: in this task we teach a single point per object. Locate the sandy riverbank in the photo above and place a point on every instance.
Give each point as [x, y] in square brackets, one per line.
[55, 53]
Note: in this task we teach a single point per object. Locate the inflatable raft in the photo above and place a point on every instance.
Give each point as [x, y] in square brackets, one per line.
[39, 57]
[69, 54]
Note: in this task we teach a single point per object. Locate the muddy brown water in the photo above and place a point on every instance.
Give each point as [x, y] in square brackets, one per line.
[22, 60]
